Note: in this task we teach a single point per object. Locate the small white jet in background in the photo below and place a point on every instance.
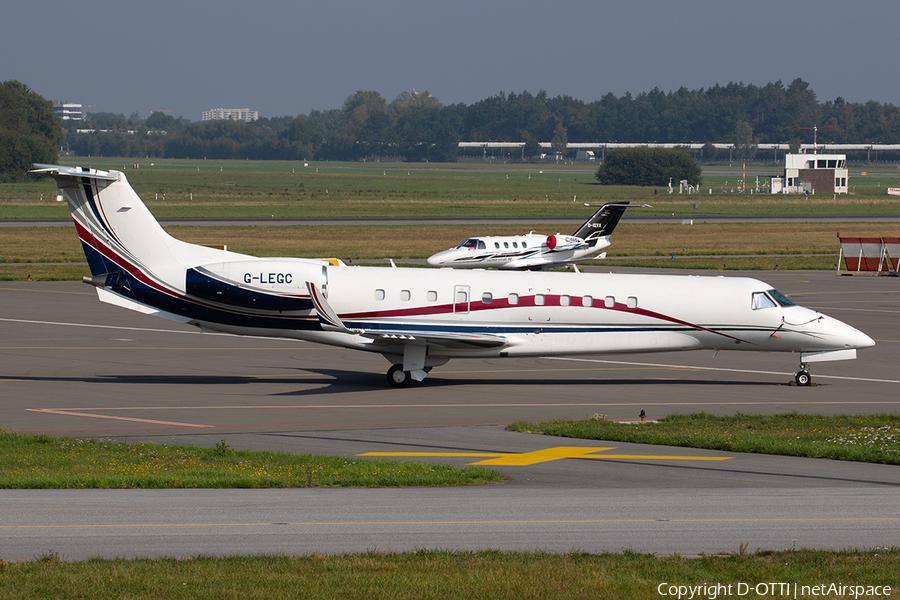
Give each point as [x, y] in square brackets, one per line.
[535, 251]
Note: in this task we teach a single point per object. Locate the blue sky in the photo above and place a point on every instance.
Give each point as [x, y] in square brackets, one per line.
[283, 57]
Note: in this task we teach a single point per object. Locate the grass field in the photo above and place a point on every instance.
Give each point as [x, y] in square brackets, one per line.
[863, 438]
[45, 462]
[451, 575]
[254, 189]
[54, 253]
[266, 189]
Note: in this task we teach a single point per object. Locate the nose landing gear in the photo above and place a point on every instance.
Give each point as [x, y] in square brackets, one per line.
[802, 376]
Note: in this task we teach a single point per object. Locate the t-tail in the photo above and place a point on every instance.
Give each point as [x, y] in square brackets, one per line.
[602, 222]
[118, 234]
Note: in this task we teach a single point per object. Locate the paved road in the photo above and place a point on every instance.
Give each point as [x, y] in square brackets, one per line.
[343, 221]
[72, 366]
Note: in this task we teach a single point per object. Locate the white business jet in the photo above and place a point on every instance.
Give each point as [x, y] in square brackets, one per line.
[421, 318]
[534, 251]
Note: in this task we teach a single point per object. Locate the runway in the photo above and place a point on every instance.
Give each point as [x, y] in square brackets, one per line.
[72, 366]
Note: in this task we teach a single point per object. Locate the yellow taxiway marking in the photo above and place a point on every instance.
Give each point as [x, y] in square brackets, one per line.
[541, 456]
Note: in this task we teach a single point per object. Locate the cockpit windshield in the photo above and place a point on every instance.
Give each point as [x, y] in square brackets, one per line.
[472, 244]
[769, 299]
[781, 298]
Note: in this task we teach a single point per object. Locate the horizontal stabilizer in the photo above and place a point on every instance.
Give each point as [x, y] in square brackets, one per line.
[62, 172]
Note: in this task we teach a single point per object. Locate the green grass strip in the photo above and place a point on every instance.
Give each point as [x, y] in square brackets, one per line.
[450, 575]
[45, 462]
[862, 438]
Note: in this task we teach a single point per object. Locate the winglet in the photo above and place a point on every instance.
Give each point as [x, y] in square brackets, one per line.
[327, 317]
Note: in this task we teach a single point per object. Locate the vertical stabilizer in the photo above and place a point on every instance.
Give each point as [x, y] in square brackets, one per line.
[116, 229]
[603, 221]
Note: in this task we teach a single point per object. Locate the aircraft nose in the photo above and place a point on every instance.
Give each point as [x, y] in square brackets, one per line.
[850, 337]
[434, 260]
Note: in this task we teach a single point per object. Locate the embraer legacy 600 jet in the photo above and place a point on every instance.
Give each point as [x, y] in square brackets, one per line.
[534, 251]
[421, 318]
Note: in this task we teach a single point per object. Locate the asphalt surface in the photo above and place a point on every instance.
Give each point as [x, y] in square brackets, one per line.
[72, 366]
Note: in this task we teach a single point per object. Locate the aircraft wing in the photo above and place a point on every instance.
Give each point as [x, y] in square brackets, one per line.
[329, 320]
[436, 338]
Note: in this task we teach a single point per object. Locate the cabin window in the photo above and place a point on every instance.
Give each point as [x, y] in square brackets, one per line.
[564, 301]
[487, 297]
[404, 295]
[515, 244]
[539, 299]
[506, 244]
[761, 300]
[609, 301]
[431, 296]
[631, 302]
[379, 294]
[587, 301]
[513, 298]
[497, 245]
[781, 298]
[461, 297]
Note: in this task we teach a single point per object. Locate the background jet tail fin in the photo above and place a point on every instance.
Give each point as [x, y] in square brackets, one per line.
[603, 221]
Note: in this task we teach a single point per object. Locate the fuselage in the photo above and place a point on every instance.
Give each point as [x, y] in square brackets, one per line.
[541, 313]
[565, 312]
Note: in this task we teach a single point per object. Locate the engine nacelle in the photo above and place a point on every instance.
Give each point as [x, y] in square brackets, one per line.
[264, 284]
[562, 242]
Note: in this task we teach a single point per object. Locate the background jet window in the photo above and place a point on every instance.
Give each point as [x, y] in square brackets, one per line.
[431, 296]
[481, 245]
[497, 245]
[506, 244]
[564, 301]
[513, 298]
[379, 294]
[515, 244]
[539, 299]
[761, 300]
[487, 297]
[609, 301]
[587, 301]
[404, 295]
[631, 302]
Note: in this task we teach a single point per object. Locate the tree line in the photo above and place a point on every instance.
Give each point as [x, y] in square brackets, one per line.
[417, 127]
[28, 130]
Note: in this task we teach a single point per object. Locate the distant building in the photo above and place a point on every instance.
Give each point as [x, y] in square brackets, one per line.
[813, 173]
[231, 114]
[68, 111]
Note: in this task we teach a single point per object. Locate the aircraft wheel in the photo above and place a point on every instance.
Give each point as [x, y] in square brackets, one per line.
[803, 378]
[397, 377]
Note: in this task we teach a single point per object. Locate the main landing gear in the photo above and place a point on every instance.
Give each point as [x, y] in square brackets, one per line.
[398, 378]
[802, 377]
